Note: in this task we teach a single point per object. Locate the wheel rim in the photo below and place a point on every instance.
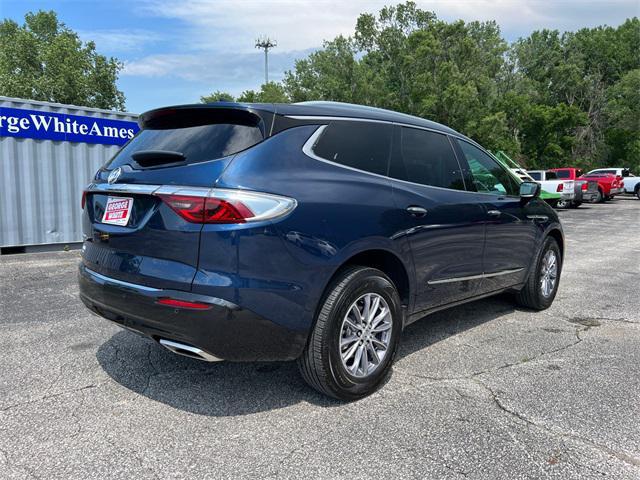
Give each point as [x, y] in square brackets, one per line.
[365, 335]
[548, 273]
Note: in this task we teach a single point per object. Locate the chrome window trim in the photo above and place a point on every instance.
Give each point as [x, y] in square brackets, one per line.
[307, 149]
[371, 120]
[475, 277]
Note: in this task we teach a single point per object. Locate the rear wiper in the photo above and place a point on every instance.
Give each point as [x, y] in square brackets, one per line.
[154, 158]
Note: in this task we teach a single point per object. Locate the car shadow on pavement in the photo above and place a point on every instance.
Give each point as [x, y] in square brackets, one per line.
[231, 389]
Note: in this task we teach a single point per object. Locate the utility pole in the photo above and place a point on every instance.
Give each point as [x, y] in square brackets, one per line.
[266, 43]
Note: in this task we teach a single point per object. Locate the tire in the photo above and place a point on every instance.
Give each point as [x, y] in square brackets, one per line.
[638, 192]
[575, 204]
[599, 198]
[322, 365]
[562, 204]
[532, 295]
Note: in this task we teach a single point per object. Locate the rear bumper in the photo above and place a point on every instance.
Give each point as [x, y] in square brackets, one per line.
[224, 330]
[568, 196]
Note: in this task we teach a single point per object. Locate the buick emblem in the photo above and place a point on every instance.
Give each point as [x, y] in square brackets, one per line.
[114, 175]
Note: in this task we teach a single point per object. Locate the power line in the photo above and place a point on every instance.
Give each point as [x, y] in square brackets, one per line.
[266, 43]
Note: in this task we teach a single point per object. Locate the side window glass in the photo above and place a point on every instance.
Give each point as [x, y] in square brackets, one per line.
[361, 145]
[427, 158]
[488, 175]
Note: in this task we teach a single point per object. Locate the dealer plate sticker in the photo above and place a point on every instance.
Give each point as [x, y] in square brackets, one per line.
[117, 211]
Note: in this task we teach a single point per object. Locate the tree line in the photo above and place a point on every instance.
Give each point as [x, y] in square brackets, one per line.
[549, 99]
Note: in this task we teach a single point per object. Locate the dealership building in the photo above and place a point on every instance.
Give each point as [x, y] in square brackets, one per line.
[48, 154]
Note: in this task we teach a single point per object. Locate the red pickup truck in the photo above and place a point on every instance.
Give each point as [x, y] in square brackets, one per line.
[586, 190]
[608, 185]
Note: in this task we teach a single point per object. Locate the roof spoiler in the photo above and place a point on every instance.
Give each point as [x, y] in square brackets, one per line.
[183, 116]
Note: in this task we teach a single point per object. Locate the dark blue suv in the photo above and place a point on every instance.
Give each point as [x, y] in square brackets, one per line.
[313, 231]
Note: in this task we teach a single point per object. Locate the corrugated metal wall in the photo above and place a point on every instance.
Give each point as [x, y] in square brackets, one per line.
[41, 181]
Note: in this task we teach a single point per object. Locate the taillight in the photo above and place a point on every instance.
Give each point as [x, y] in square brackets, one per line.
[560, 187]
[228, 206]
[84, 199]
[584, 186]
[188, 207]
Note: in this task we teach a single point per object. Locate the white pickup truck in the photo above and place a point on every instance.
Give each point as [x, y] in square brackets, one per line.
[631, 182]
[551, 183]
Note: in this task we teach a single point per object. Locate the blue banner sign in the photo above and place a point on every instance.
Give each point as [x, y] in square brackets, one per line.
[62, 127]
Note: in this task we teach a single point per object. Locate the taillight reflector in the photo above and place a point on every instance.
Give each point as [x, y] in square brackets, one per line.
[560, 187]
[173, 302]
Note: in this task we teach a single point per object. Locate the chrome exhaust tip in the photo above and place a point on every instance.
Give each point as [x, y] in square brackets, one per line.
[188, 350]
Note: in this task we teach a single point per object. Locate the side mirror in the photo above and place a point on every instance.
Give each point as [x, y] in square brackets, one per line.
[530, 190]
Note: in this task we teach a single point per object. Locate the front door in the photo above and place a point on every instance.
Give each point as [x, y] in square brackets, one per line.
[510, 223]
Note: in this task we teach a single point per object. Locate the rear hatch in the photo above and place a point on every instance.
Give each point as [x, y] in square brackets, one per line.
[140, 219]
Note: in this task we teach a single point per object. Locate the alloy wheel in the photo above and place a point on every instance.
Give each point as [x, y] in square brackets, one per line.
[548, 273]
[365, 335]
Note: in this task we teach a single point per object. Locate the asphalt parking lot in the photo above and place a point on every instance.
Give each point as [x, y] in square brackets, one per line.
[480, 391]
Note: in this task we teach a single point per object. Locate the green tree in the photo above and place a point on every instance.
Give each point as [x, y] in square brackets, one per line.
[44, 60]
[623, 121]
[217, 96]
[331, 73]
[547, 134]
[269, 93]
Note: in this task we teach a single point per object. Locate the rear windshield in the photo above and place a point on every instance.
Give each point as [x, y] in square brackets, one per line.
[563, 173]
[196, 143]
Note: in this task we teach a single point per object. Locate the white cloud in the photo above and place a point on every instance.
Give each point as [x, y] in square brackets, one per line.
[213, 41]
[234, 72]
[117, 41]
[225, 24]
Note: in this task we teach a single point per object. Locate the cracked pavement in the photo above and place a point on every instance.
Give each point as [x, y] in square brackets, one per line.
[484, 390]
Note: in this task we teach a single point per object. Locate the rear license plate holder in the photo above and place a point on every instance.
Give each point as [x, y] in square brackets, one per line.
[117, 211]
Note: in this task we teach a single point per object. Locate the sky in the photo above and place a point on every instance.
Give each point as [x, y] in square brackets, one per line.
[175, 51]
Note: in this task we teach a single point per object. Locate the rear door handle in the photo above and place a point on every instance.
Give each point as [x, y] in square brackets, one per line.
[417, 211]
[494, 213]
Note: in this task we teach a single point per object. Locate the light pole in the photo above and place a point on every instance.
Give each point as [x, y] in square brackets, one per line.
[266, 43]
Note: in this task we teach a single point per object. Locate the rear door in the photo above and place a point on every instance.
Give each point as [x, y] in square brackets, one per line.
[137, 222]
[443, 223]
[510, 229]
